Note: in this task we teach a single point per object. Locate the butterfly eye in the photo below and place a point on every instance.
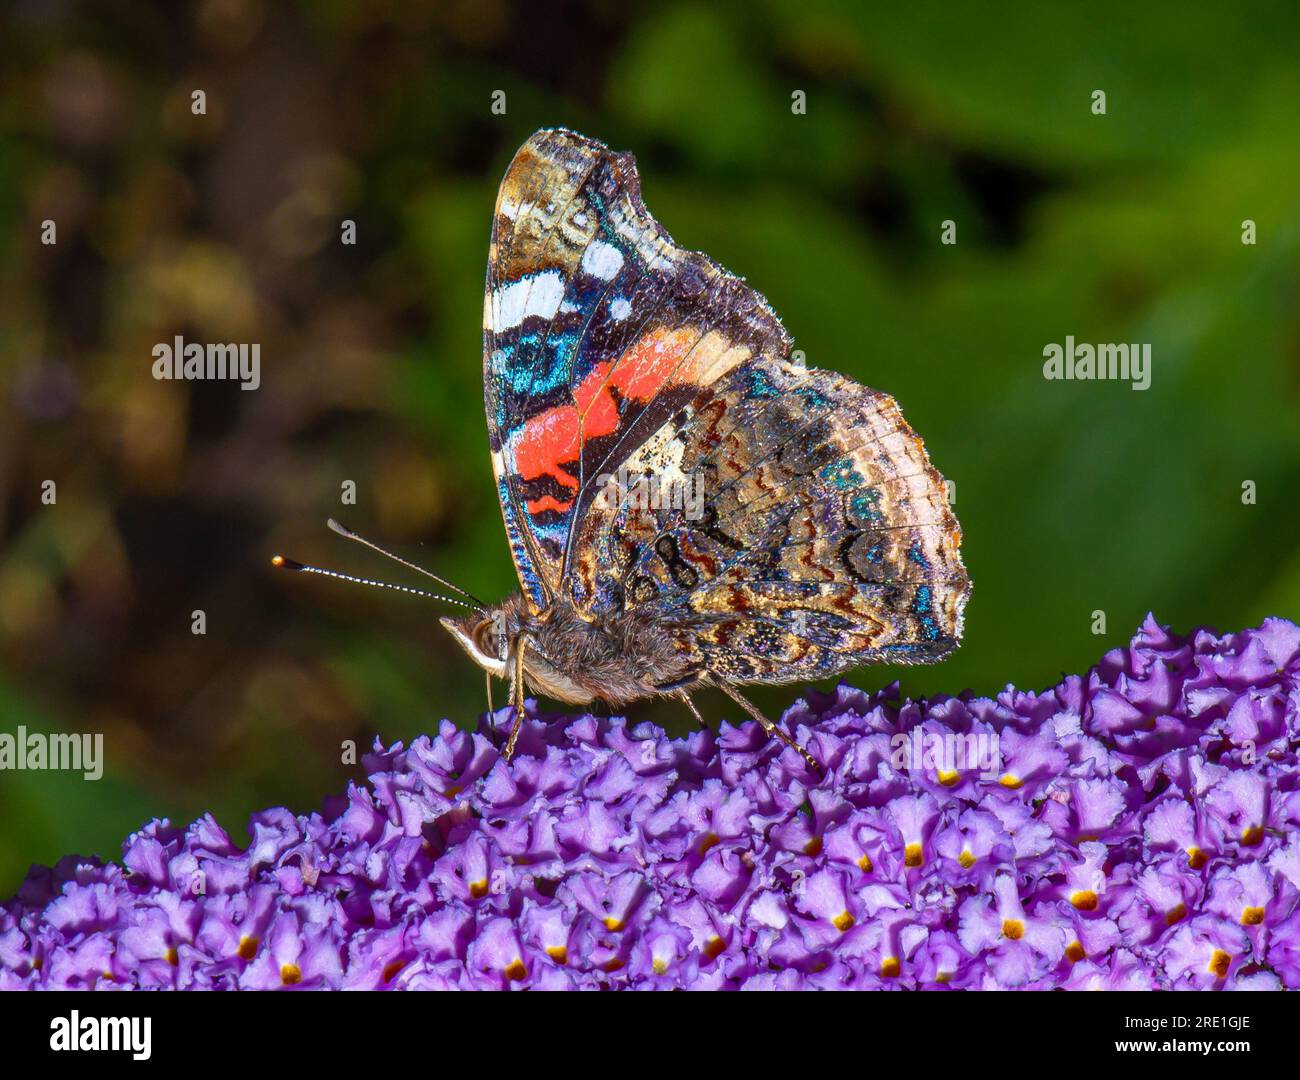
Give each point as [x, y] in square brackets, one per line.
[487, 640]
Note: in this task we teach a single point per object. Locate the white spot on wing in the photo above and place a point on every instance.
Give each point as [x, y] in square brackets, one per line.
[602, 260]
[538, 295]
[620, 309]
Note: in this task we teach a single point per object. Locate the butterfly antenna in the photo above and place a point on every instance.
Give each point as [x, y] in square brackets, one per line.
[347, 533]
[290, 564]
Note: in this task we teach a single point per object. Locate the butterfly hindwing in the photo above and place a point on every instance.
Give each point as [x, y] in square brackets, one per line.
[597, 328]
[822, 539]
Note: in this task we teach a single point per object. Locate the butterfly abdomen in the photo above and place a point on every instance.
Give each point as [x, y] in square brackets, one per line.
[618, 659]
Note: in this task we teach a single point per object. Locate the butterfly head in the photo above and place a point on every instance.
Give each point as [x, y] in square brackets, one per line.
[487, 636]
[556, 646]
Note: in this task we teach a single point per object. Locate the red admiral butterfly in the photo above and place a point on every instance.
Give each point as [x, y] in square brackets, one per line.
[686, 506]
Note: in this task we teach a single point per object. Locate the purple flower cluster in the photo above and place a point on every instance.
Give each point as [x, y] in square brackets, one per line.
[1133, 828]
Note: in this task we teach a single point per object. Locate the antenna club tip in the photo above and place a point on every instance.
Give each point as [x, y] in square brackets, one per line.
[339, 528]
[281, 562]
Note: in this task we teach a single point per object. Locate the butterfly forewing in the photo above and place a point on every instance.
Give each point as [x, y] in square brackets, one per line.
[597, 328]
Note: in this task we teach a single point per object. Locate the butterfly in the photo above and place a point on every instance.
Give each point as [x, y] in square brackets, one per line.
[686, 505]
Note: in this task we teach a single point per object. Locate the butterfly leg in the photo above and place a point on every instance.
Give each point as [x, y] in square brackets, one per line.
[517, 697]
[686, 699]
[768, 725]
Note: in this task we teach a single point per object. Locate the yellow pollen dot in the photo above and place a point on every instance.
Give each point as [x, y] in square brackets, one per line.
[478, 889]
[36, 964]
[106, 975]
[247, 947]
[843, 921]
[1252, 835]
[912, 855]
[942, 976]
[660, 966]
[714, 946]
[1196, 858]
[558, 953]
[453, 791]
[864, 863]
[948, 777]
[290, 974]
[967, 859]
[612, 924]
[1219, 963]
[1074, 952]
[1010, 780]
[710, 840]
[172, 958]
[813, 847]
[1084, 900]
[612, 965]
[1175, 914]
[890, 966]
[390, 970]
[1252, 916]
[1013, 929]
[516, 971]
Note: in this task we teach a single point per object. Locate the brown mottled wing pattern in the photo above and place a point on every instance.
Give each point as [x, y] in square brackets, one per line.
[822, 538]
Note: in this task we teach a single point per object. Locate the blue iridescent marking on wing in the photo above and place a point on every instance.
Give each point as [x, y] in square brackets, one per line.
[923, 608]
[842, 475]
[865, 506]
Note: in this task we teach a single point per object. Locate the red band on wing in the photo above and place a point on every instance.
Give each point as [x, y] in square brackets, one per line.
[554, 438]
[547, 502]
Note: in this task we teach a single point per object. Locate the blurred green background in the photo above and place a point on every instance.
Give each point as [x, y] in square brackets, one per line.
[1074, 497]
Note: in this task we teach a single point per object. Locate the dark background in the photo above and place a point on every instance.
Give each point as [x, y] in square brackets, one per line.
[1074, 497]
